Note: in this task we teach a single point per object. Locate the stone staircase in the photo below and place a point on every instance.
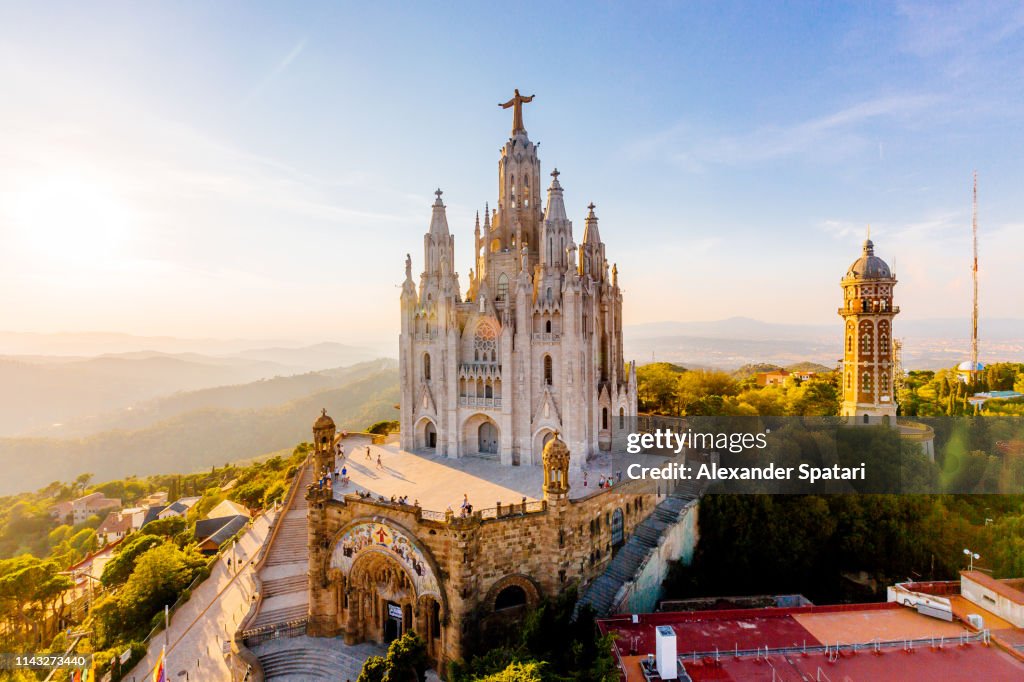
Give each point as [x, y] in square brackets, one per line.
[284, 582]
[279, 586]
[290, 545]
[601, 592]
[313, 659]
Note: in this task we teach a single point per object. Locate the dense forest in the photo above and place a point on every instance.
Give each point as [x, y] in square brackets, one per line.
[850, 547]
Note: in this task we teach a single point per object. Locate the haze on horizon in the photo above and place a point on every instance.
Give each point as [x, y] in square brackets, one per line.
[234, 171]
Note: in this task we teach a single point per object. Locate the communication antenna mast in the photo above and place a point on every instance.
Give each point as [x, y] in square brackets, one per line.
[974, 275]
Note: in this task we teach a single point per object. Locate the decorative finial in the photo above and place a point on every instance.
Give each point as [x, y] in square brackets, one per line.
[869, 230]
[591, 206]
[323, 412]
[438, 193]
[555, 174]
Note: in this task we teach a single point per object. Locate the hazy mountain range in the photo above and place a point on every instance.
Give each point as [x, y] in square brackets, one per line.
[730, 343]
[199, 429]
[39, 391]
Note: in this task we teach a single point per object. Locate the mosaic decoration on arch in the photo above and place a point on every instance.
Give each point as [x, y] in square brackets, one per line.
[373, 536]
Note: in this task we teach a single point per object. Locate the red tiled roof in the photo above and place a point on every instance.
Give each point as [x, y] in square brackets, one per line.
[998, 586]
[115, 523]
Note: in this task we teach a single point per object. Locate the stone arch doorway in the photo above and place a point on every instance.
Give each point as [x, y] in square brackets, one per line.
[540, 439]
[426, 434]
[481, 435]
[381, 595]
[510, 597]
[507, 602]
[487, 438]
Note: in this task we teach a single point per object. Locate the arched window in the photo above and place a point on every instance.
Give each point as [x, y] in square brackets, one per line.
[547, 327]
[849, 380]
[488, 391]
[865, 342]
[866, 382]
[426, 366]
[604, 418]
[883, 381]
[548, 373]
[865, 419]
[883, 343]
[502, 287]
[622, 418]
[849, 343]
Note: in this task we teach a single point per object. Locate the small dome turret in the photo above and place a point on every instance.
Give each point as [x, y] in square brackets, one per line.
[556, 467]
[869, 266]
[323, 421]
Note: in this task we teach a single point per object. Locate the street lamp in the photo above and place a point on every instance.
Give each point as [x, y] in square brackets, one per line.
[971, 556]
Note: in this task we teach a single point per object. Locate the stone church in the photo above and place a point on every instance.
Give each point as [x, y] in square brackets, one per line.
[525, 365]
[532, 346]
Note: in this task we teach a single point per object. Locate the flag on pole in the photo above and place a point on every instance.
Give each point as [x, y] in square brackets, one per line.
[159, 675]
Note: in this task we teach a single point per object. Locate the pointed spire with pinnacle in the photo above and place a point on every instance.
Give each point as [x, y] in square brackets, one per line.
[487, 216]
[439, 220]
[555, 209]
[590, 232]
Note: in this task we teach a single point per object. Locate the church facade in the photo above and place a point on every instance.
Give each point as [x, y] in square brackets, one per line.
[532, 346]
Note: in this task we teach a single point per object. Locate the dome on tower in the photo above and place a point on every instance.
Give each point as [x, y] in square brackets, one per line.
[323, 421]
[556, 451]
[869, 266]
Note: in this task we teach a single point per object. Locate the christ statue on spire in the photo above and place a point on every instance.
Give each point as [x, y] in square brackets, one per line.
[517, 110]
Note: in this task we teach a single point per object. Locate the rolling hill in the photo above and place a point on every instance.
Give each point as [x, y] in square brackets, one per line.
[199, 438]
[253, 395]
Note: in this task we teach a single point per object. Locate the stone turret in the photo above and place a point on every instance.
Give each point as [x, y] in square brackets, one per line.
[323, 440]
[556, 469]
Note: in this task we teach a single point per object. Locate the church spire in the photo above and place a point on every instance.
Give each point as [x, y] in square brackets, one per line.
[555, 209]
[590, 232]
[438, 219]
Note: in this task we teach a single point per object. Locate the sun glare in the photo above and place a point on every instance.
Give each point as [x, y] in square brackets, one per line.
[68, 220]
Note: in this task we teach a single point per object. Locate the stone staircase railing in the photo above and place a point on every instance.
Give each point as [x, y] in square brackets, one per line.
[602, 593]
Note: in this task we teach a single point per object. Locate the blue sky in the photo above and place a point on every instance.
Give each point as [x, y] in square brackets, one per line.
[236, 169]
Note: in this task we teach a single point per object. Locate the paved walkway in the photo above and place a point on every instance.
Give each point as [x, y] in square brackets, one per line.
[201, 625]
[439, 482]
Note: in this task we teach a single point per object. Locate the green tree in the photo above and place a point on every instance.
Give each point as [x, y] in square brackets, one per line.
[406, 661]
[120, 567]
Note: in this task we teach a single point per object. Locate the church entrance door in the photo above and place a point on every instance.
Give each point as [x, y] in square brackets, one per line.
[393, 622]
[431, 436]
[488, 438]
